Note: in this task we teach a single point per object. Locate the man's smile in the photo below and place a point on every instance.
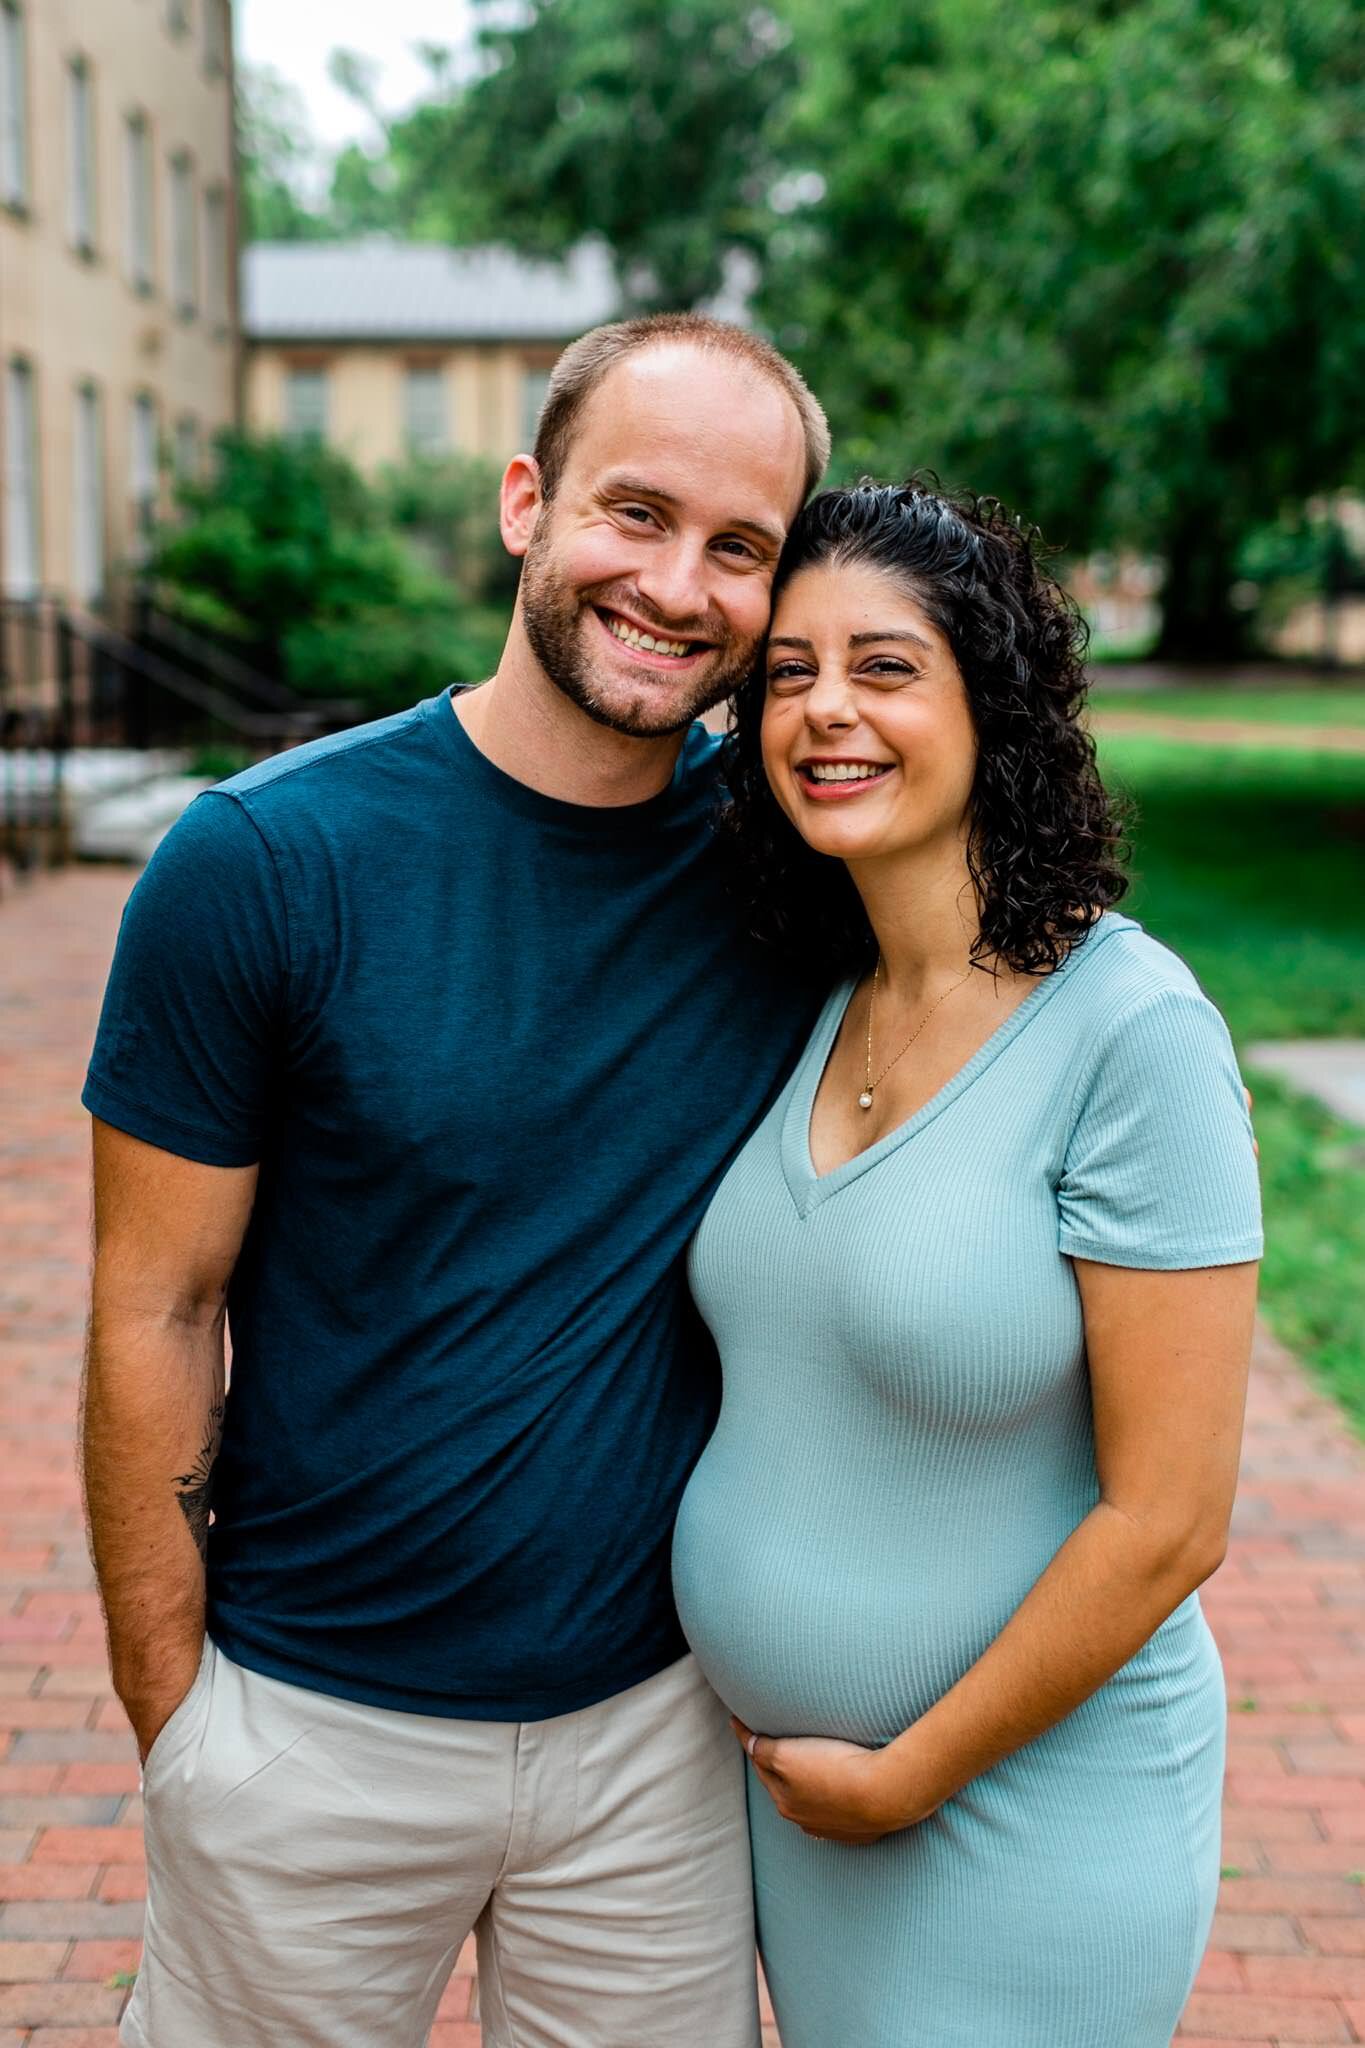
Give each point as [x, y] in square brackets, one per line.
[647, 644]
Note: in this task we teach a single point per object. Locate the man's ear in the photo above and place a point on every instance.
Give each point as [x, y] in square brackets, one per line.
[519, 503]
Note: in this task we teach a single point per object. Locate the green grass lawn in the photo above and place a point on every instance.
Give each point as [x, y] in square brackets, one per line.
[1252, 866]
[1313, 704]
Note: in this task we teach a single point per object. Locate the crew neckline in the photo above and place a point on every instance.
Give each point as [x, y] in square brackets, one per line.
[596, 821]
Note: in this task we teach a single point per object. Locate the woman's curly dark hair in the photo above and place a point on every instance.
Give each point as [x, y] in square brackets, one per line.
[1045, 847]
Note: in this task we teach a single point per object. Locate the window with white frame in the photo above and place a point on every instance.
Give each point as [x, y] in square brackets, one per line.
[141, 222]
[80, 155]
[142, 468]
[13, 106]
[426, 412]
[534, 385]
[87, 484]
[22, 565]
[185, 449]
[305, 403]
[216, 257]
[184, 241]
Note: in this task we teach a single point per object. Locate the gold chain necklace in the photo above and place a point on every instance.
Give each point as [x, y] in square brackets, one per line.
[869, 1085]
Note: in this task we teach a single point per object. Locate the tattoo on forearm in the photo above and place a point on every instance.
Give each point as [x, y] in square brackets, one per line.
[194, 1489]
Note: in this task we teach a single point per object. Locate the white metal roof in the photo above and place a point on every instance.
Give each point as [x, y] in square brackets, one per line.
[378, 289]
[382, 289]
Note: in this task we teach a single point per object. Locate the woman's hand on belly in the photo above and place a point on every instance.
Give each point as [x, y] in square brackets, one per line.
[836, 1791]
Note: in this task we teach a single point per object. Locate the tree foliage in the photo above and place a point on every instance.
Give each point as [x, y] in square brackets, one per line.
[1105, 259]
[278, 158]
[291, 553]
[640, 121]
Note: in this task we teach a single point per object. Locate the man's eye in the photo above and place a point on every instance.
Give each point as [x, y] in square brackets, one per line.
[739, 548]
[638, 513]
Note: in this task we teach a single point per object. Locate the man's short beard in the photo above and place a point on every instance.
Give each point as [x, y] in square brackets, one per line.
[556, 622]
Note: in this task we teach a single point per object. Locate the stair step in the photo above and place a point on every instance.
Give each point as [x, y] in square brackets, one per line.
[31, 774]
[132, 824]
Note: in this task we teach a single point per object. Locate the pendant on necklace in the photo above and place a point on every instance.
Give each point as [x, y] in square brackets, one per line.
[865, 1099]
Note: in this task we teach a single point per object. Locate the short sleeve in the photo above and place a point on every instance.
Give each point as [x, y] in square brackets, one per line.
[193, 1012]
[1160, 1167]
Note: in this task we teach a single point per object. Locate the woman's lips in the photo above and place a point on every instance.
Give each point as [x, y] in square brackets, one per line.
[843, 790]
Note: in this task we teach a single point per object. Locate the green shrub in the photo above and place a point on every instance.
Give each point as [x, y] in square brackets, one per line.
[310, 570]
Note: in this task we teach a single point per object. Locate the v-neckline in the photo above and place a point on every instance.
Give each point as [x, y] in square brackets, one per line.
[807, 1187]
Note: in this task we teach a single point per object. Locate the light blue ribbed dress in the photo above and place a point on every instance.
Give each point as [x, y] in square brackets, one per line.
[904, 1444]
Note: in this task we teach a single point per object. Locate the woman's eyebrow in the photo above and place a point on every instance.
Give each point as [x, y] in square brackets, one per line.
[854, 640]
[872, 639]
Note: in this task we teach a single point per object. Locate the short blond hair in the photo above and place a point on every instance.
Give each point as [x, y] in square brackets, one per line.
[586, 362]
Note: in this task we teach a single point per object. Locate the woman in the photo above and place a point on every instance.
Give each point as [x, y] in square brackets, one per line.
[983, 1287]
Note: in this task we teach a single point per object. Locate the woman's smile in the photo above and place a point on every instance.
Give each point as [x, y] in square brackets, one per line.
[835, 779]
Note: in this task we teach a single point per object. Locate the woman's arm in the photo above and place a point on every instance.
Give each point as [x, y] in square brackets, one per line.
[1168, 1355]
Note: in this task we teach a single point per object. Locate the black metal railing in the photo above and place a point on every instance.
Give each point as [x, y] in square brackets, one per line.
[68, 681]
[206, 658]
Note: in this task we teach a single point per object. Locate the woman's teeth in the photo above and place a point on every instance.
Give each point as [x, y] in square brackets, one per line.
[633, 637]
[842, 771]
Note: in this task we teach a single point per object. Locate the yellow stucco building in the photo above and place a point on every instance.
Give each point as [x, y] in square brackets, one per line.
[385, 347]
[118, 287]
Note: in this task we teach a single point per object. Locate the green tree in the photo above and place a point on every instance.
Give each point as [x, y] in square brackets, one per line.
[446, 509]
[644, 122]
[362, 198]
[279, 160]
[1103, 258]
[292, 554]
[363, 195]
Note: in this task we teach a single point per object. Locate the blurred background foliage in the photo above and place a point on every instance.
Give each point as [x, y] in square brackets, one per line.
[382, 592]
[1249, 861]
[1104, 257]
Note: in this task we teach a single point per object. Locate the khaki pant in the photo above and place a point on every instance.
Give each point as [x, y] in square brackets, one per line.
[313, 1867]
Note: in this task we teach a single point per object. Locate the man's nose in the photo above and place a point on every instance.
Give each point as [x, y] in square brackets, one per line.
[673, 580]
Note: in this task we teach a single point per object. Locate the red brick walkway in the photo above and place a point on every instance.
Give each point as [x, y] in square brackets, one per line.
[1288, 1961]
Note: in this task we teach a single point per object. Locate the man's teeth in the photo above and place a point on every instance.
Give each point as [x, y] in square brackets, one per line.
[633, 637]
[842, 771]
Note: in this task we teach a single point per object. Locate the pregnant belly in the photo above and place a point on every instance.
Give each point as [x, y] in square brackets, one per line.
[805, 1630]
[809, 1620]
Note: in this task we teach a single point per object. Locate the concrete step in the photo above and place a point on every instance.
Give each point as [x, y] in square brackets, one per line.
[86, 772]
[131, 824]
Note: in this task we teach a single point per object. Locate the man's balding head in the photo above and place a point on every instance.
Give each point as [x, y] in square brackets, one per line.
[589, 360]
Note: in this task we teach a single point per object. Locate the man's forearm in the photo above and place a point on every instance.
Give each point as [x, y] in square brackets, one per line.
[151, 1424]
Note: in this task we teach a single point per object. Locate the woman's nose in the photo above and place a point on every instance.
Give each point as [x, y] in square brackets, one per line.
[830, 704]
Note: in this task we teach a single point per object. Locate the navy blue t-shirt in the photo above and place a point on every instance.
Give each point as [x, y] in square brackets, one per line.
[492, 1052]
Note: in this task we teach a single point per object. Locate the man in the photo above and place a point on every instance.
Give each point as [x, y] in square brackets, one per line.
[423, 1050]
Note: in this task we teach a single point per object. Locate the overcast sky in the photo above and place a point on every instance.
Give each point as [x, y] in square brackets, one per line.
[296, 37]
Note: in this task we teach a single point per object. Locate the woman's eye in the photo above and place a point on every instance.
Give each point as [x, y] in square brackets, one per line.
[886, 665]
[786, 672]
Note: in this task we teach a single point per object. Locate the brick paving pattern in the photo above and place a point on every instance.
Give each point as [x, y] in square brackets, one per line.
[1287, 1962]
